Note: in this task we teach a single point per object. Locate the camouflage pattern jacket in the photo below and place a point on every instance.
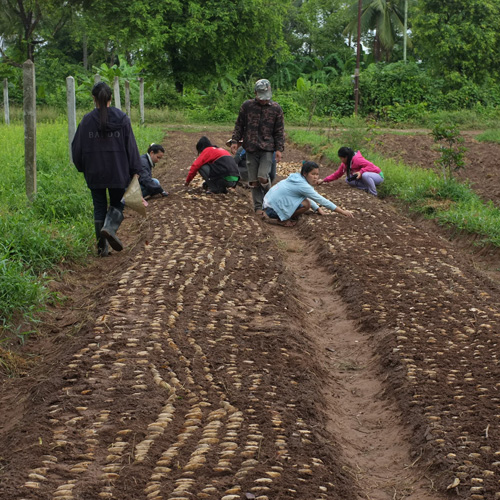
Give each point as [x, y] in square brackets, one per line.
[262, 127]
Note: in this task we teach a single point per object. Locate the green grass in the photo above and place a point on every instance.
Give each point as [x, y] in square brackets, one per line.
[56, 227]
[491, 135]
[450, 203]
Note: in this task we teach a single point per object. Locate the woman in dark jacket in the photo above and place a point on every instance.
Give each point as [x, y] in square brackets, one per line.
[105, 150]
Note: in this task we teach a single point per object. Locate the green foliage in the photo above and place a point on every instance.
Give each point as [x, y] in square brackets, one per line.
[385, 86]
[199, 41]
[451, 149]
[315, 27]
[458, 38]
[384, 17]
[489, 136]
[294, 112]
[20, 289]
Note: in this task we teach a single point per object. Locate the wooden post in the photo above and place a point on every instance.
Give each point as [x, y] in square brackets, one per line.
[6, 101]
[358, 57]
[29, 111]
[127, 97]
[97, 78]
[141, 99]
[405, 33]
[71, 101]
[116, 92]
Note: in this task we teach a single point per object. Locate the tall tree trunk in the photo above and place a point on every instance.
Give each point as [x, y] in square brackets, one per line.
[376, 48]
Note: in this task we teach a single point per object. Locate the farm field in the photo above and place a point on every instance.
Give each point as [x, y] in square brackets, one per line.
[219, 357]
[482, 168]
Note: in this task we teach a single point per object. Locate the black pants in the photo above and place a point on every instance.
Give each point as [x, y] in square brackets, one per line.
[101, 202]
[216, 186]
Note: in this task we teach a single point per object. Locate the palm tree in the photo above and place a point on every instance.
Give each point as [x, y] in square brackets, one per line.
[385, 18]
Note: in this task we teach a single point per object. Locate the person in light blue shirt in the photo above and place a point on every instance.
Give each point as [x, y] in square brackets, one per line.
[295, 195]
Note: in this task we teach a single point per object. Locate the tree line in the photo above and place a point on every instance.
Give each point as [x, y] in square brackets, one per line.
[211, 47]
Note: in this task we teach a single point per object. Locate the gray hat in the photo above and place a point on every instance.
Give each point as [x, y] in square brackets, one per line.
[263, 90]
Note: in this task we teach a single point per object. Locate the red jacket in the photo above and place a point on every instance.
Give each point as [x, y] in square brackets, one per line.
[358, 164]
[208, 155]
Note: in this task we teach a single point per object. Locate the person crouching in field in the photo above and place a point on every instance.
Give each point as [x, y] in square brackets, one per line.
[295, 195]
[215, 165]
[361, 173]
[149, 185]
[105, 150]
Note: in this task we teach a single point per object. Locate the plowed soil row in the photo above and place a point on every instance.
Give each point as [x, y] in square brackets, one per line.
[481, 159]
[201, 362]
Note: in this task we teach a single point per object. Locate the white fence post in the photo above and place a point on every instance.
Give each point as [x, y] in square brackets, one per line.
[116, 92]
[71, 101]
[6, 101]
[29, 111]
[127, 97]
[141, 99]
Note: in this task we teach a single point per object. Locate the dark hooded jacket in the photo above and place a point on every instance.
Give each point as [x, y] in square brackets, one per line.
[148, 186]
[109, 160]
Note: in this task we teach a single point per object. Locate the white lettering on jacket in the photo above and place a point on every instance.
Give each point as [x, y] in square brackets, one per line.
[97, 135]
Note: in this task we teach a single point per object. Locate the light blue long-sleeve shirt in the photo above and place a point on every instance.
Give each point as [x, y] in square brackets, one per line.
[286, 196]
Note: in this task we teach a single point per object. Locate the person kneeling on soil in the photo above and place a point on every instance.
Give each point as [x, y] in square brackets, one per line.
[295, 195]
[149, 185]
[215, 165]
[361, 173]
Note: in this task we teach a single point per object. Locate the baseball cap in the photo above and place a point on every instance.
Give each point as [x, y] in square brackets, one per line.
[263, 90]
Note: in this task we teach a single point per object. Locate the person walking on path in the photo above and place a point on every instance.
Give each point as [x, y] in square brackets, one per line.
[260, 124]
[215, 165]
[149, 185]
[295, 195]
[105, 150]
[361, 173]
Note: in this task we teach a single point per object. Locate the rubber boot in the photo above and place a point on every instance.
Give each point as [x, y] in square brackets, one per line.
[112, 222]
[102, 243]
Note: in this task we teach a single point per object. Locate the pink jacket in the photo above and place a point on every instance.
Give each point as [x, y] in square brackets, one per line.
[358, 164]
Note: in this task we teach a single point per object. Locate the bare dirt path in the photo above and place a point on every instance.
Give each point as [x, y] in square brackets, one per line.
[191, 364]
[366, 423]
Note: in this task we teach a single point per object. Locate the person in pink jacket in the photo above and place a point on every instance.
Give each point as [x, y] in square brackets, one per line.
[361, 173]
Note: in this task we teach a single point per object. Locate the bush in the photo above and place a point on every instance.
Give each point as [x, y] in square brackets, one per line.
[294, 112]
[160, 94]
[397, 84]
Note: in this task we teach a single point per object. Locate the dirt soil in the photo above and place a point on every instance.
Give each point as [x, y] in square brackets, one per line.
[220, 357]
[419, 149]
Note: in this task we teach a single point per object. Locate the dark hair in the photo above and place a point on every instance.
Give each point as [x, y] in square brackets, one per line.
[202, 144]
[102, 94]
[346, 152]
[307, 166]
[155, 148]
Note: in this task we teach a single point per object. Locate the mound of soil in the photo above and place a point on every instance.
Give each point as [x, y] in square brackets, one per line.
[481, 168]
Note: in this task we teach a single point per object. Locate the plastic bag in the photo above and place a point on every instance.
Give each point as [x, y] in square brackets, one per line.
[133, 196]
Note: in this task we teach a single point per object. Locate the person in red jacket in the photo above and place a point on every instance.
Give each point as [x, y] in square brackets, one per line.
[361, 173]
[215, 165]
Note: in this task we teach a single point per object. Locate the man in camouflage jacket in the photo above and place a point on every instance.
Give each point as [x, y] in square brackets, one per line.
[260, 124]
